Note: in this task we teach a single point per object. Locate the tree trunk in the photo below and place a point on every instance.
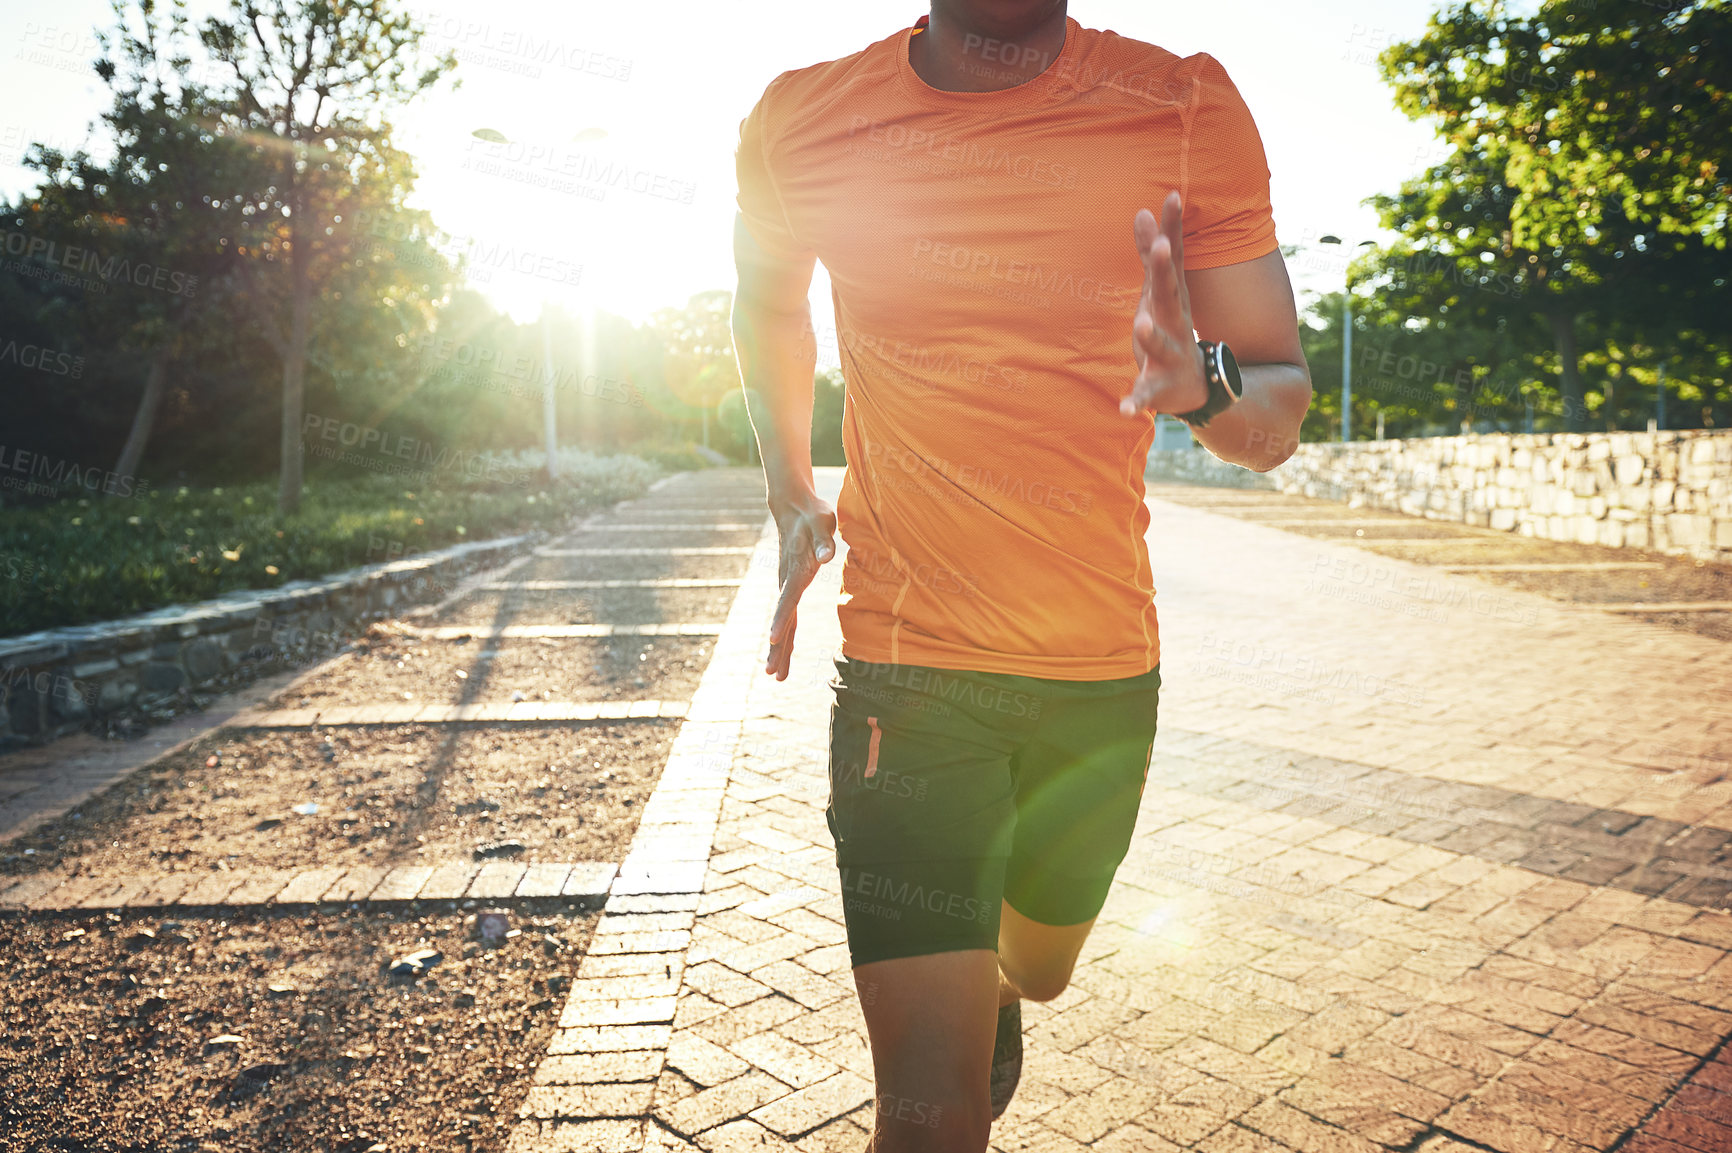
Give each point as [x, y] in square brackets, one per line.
[1570, 371]
[295, 367]
[155, 381]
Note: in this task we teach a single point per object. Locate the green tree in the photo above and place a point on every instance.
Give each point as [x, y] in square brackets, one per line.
[145, 223]
[1626, 102]
[1515, 222]
[698, 355]
[310, 84]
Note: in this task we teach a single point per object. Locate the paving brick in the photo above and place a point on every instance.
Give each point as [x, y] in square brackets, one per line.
[1493, 1035]
[723, 984]
[1089, 1117]
[626, 986]
[163, 889]
[1576, 1093]
[659, 877]
[606, 1136]
[1414, 1068]
[636, 1011]
[1704, 1101]
[356, 885]
[785, 1060]
[449, 882]
[496, 880]
[1233, 1138]
[814, 1105]
[258, 888]
[109, 892]
[615, 923]
[653, 903]
[772, 904]
[1648, 1143]
[843, 1135]
[743, 1136]
[599, 1068]
[630, 964]
[1304, 1133]
[584, 1102]
[543, 880]
[663, 942]
[735, 1024]
[30, 890]
[721, 1103]
[1690, 1130]
[798, 983]
[1354, 1114]
[402, 883]
[1494, 1127]
[703, 1062]
[1193, 1113]
[1645, 1023]
[306, 887]
[609, 1038]
[694, 1009]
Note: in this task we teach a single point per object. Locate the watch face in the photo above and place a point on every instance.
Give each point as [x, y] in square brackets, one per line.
[1230, 370]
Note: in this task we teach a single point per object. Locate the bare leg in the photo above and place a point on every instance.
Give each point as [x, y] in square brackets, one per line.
[931, 1021]
[1035, 960]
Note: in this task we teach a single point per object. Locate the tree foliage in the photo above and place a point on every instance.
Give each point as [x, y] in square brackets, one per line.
[1574, 240]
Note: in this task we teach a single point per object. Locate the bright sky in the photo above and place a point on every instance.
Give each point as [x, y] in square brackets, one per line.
[661, 85]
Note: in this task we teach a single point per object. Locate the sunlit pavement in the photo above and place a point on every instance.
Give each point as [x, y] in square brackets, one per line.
[1437, 880]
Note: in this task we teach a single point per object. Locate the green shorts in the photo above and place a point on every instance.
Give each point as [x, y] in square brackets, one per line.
[951, 791]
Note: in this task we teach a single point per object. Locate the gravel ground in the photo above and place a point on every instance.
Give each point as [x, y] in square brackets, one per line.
[1679, 580]
[591, 606]
[1347, 530]
[109, 1024]
[393, 668]
[387, 795]
[111, 1032]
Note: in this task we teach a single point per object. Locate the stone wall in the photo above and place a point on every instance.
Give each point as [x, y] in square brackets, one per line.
[1667, 491]
[1199, 466]
[158, 663]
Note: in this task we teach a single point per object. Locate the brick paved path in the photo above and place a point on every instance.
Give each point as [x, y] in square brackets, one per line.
[1432, 870]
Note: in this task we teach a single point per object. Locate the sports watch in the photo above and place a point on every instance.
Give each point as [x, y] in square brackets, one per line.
[1226, 386]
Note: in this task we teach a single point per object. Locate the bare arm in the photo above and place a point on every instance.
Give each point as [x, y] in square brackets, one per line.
[778, 353]
[1248, 306]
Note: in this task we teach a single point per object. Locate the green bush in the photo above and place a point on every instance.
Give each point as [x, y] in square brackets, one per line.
[674, 457]
[94, 559]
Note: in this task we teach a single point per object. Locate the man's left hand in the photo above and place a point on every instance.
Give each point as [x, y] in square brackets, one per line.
[1170, 374]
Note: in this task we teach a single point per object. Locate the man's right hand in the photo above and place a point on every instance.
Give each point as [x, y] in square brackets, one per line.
[808, 533]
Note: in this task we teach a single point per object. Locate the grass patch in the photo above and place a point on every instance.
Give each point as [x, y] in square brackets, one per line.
[95, 559]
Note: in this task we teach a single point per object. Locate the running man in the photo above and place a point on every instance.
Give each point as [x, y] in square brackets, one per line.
[1028, 224]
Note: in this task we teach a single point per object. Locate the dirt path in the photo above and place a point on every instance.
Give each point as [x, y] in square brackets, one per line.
[245, 1027]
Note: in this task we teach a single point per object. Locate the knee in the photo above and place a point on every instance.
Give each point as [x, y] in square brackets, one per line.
[1044, 988]
[1037, 984]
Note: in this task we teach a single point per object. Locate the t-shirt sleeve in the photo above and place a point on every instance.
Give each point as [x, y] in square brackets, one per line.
[1228, 218]
[759, 200]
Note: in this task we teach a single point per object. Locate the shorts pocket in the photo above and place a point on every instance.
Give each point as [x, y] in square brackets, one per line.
[853, 748]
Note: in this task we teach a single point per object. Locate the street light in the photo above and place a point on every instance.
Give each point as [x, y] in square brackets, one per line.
[549, 421]
[1346, 343]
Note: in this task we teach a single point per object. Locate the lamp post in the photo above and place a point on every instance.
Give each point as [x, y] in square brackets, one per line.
[1346, 342]
[548, 420]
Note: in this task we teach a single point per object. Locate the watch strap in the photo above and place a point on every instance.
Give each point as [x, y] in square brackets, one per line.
[1224, 390]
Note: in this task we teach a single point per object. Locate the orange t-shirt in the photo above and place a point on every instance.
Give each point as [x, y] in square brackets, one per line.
[985, 279]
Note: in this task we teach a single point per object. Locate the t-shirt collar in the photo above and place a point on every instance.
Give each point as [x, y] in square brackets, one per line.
[1004, 97]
